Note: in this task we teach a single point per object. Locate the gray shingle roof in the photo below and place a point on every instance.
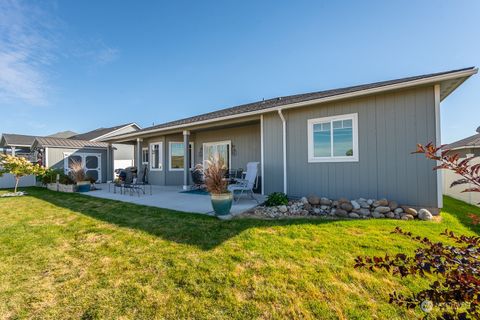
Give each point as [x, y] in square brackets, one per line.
[281, 101]
[17, 139]
[67, 143]
[98, 132]
[472, 141]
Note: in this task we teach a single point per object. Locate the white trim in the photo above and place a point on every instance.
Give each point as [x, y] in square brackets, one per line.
[207, 144]
[262, 166]
[284, 147]
[311, 122]
[464, 147]
[438, 142]
[83, 155]
[402, 85]
[160, 155]
[112, 132]
[46, 157]
[148, 155]
[192, 162]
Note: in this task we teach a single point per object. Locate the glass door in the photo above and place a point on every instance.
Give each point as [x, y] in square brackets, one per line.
[220, 149]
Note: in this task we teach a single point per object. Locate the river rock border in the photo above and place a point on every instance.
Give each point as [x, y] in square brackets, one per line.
[343, 208]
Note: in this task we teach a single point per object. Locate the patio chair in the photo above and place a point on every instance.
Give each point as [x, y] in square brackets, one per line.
[198, 178]
[130, 182]
[247, 184]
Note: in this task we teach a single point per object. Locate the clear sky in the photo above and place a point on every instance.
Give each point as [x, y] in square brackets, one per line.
[79, 65]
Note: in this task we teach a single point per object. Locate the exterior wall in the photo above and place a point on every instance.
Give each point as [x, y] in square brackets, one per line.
[450, 176]
[55, 158]
[156, 177]
[389, 127]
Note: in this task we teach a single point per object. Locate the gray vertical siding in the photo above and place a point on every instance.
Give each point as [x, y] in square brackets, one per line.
[172, 178]
[55, 158]
[272, 153]
[389, 127]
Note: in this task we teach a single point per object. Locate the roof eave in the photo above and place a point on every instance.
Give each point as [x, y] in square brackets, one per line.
[463, 75]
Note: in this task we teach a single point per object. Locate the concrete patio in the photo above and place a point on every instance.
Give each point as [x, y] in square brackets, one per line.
[172, 197]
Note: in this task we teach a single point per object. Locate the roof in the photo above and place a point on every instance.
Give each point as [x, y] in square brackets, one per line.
[17, 140]
[458, 75]
[470, 142]
[63, 134]
[100, 132]
[41, 142]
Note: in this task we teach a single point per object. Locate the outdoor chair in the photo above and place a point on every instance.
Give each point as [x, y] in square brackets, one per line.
[246, 184]
[198, 178]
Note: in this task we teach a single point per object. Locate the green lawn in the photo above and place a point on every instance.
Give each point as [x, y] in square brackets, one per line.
[73, 256]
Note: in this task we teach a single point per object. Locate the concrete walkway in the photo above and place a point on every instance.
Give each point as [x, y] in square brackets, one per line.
[171, 197]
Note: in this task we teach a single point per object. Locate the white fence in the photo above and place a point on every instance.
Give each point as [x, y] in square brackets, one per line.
[456, 191]
[7, 181]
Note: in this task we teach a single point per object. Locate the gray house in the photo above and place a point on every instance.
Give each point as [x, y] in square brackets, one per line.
[350, 142]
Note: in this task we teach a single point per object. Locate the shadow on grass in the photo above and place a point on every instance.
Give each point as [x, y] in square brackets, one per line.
[203, 231]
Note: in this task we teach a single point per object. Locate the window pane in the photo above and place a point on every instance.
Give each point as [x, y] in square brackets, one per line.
[321, 141]
[337, 124]
[155, 156]
[92, 174]
[91, 162]
[342, 142]
[74, 159]
[145, 156]
[176, 155]
[347, 123]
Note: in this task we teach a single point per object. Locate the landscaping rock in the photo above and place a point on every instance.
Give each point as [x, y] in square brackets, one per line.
[363, 212]
[407, 217]
[398, 211]
[424, 214]
[390, 215]
[341, 213]
[303, 200]
[325, 201]
[370, 201]
[324, 207]
[410, 211]
[307, 206]
[347, 206]
[342, 200]
[355, 204]
[313, 200]
[353, 215]
[393, 204]
[282, 209]
[382, 209]
[364, 204]
[377, 215]
[380, 203]
[317, 210]
[304, 212]
[334, 204]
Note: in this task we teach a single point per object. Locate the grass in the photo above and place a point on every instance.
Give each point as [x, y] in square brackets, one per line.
[73, 256]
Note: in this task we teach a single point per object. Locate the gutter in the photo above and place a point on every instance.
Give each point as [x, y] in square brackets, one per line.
[402, 85]
[284, 141]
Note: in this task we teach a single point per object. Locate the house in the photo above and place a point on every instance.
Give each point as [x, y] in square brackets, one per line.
[465, 148]
[56, 152]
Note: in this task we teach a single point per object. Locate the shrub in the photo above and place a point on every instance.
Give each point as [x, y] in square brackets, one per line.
[276, 199]
[50, 175]
[18, 167]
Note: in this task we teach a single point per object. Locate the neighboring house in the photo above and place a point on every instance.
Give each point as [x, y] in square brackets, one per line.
[95, 155]
[465, 148]
[63, 134]
[350, 142]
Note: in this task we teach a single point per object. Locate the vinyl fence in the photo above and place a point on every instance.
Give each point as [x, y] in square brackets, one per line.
[456, 191]
[7, 181]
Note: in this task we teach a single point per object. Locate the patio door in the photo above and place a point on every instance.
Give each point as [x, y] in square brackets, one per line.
[91, 163]
[221, 149]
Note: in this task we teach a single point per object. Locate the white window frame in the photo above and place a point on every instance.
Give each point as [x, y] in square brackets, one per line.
[160, 155]
[312, 122]
[83, 155]
[148, 155]
[170, 156]
[207, 144]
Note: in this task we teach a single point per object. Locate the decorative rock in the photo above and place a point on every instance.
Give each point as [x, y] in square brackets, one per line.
[282, 209]
[347, 206]
[377, 215]
[424, 214]
[364, 205]
[325, 201]
[341, 213]
[407, 217]
[304, 200]
[380, 203]
[316, 210]
[335, 204]
[390, 215]
[304, 212]
[382, 209]
[363, 212]
[410, 211]
[342, 200]
[307, 206]
[398, 210]
[353, 215]
[370, 201]
[314, 200]
[324, 207]
[355, 204]
[393, 204]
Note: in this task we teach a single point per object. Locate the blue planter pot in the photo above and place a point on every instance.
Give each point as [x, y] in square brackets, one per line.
[83, 186]
[222, 203]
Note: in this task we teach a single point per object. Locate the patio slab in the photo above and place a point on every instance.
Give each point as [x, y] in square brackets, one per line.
[171, 197]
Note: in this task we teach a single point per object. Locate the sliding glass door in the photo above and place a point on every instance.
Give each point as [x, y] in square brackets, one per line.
[219, 149]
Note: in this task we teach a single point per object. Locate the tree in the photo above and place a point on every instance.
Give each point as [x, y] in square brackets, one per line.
[455, 291]
[18, 167]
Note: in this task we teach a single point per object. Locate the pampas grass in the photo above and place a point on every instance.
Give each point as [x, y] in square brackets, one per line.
[215, 181]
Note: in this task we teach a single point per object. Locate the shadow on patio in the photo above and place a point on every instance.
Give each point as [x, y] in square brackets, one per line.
[204, 232]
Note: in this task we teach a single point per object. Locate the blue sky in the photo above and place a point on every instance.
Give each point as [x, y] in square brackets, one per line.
[79, 65]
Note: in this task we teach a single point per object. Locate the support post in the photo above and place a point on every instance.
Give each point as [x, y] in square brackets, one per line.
[284, 145]
[138, 159]
[13, 151]
[186, 158]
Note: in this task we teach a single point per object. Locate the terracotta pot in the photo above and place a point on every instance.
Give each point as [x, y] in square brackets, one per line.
[221, 203]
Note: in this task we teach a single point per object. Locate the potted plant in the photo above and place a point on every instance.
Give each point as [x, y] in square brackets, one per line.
[77, 173]
[217, 186]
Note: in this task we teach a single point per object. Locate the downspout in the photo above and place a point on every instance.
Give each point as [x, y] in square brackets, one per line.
[284, 140]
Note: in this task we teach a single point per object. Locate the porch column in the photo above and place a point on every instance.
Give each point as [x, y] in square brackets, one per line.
[138, 159]
[186, 158]
[13, 151]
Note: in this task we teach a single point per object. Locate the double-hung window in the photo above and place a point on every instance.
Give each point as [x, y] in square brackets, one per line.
[333, 139]
[176, 152]
[144, 155]
[156, 156]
